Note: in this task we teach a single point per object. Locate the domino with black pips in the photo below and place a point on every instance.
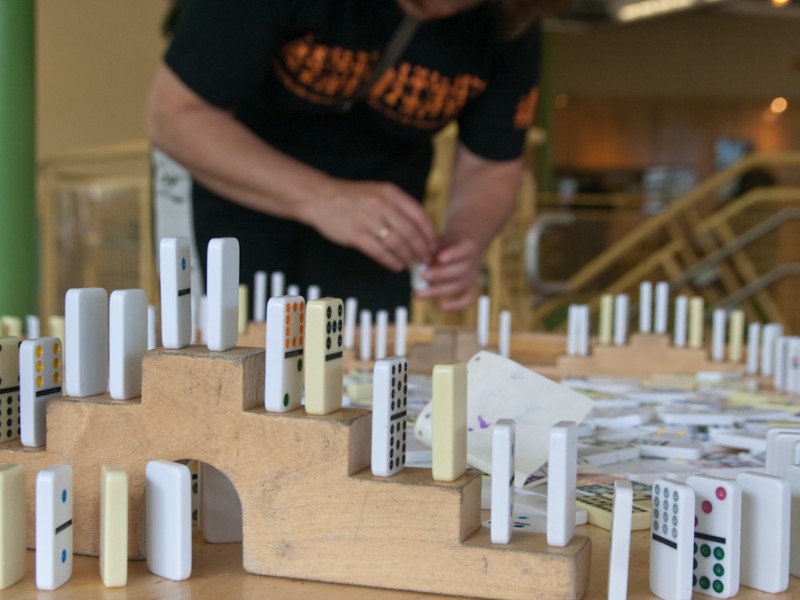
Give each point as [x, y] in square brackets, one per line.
[283, 383]
[86, 342]
[40, 380]
[127, 342]
[13, 530]
[672, 540]
[169, 519]
[766, 533]
[9, 389]
[503, 437]
[53, 526]
[620, 545]
[176, 287]
[222, 291]
[389, 415]
[449, 421]
[113, 526]
[324, 364]
[562, 472]
[717, 535]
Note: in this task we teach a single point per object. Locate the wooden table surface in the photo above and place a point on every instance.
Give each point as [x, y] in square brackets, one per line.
[217, 573]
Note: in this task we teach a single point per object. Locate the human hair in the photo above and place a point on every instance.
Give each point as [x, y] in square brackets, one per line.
[518, 15]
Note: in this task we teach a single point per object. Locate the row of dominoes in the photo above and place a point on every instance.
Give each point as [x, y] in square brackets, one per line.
[710, 535]
[168, 523]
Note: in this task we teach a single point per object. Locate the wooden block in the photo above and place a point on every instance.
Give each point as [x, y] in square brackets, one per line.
[311, 508]
[644, 355]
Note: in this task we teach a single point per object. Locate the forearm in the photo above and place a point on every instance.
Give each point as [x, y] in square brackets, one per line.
[482, 198]
[226, 157]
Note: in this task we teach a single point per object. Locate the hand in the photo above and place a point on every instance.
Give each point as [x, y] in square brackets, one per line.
[378, 219]
[454, 273]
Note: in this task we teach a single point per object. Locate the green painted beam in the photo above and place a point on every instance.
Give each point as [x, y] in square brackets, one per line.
[18, 231]
[544, 113]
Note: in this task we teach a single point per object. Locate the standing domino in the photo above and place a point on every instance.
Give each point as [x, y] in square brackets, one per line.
[40, 377]
[449, 421]
[620, 319]
[766, 510]
[793, 477]
[86, 341]
[381, 333]
[717, 535]
[283, 383]
[323, 352]
[503, 434]
[276, 285]
[719, 323]
[53, 526]
[176, 300]
[9, 389]
[113, 526]
[484, 305]
[672, 540]
[260, 297]
[400, 330]
[169, 519]
[681, 311]
[619, 554]
[562, 465]
[389, 415]
[13, 515]
[127, 342]
[222, 286]
[645, 307]
[662, 307]
[753, 344]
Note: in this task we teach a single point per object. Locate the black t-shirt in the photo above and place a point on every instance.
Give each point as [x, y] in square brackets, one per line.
[285, 68]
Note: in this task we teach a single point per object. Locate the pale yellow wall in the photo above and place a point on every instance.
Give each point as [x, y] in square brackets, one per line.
[95, 59]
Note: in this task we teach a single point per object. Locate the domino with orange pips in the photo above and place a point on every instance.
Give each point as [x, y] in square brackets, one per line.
[283, 382]
[40, 380]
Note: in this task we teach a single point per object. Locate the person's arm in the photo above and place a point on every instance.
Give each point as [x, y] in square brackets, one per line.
[482, 198]
[377, 218]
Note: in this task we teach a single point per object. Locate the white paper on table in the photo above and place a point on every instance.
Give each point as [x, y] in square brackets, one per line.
[499, 388]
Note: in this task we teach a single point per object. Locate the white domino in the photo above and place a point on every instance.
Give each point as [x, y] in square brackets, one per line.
[484, 306]
[365, 337]
[40, 380]
[719, 323]
[323, 355]
[176, 286]
[717, 535]
[127, 342]
[672, 540]
[389, 415]
[260, 297]
[645, 307]
[780, 449]
[283, 383]
[32, 326]
[169, 519]
[9, 389]
[400, 330]
[86, 341]
[113, 526]
[562, 465]
[769, 335]
[766, 535]
[503, 435]
[222, 288]
[350, 319]
[381, 333]
[620, 551]
[793, 477]
[681, 317]
[276, 285]
[53, 526]
[753, 345]
[621, 302]
[13, 516]
[662, 307]
[152, 327]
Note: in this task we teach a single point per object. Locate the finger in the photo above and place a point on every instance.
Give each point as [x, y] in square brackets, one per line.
[438, 273]
[459, 302]
[405, 238]
[377, 251]
[413, 212]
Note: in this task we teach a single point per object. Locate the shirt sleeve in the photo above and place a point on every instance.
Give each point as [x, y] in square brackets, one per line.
[222, 49]
[494, 125]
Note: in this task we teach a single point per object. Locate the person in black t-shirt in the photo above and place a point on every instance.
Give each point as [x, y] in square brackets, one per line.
[262, 101]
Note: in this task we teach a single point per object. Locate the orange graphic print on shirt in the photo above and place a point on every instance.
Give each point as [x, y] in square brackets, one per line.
[409, 94]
